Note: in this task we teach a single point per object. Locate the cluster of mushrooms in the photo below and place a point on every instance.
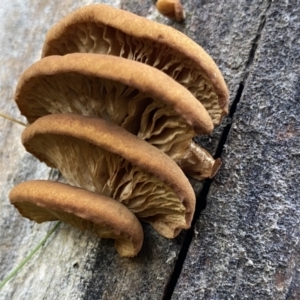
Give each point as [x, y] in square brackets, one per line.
[114, 104]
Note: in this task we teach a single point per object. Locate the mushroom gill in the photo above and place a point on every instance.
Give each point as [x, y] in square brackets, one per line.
[141, 99]
[103, 158]
[42, 201]
[102, 29]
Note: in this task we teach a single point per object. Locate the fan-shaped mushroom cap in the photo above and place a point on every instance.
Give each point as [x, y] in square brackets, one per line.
[133, 95]
[105, 30]
[42, 201]
[102, 157]
[103, 85]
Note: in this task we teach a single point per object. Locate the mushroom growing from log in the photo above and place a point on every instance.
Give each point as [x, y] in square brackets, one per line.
[140, 98]
[42, 201]
[117, 119]
[105, 158]
[103, 29]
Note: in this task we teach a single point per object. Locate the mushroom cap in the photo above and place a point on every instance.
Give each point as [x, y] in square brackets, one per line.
[42, 201]
[103, 29]
[137, 97]
[75, 83]
[78, 147]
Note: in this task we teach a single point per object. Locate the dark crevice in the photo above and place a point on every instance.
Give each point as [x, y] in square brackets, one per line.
[256, 41]
[200, 205]
[227, 128]
[202, 197]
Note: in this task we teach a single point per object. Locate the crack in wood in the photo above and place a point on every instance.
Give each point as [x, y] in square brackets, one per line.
[201, 199]
[256, 41]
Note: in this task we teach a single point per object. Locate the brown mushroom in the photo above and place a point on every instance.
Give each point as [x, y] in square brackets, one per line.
[101, 157]
[138, 97]
[171, 8]
[42, 201]
[105, 30]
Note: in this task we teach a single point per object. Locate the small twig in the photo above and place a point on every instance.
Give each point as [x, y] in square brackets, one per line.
[12, 119]
[26, 259]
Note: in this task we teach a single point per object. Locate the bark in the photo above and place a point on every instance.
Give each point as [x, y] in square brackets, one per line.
[246, 243]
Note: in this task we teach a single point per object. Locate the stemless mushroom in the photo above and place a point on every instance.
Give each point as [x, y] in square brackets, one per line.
[140, 98]
[102, 157]
[105, 30]
[43, 201]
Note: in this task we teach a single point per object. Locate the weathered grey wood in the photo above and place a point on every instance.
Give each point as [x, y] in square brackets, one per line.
[246, 243]
[23, 25]
[17, 237]
[75, 265]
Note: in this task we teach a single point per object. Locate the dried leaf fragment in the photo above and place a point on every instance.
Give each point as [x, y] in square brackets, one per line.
[171, 8]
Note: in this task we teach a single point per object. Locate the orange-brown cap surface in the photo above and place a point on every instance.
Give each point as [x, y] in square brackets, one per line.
[42, 201]
[105, 86]
[105, 30]
[137, 97]
[105, 158]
